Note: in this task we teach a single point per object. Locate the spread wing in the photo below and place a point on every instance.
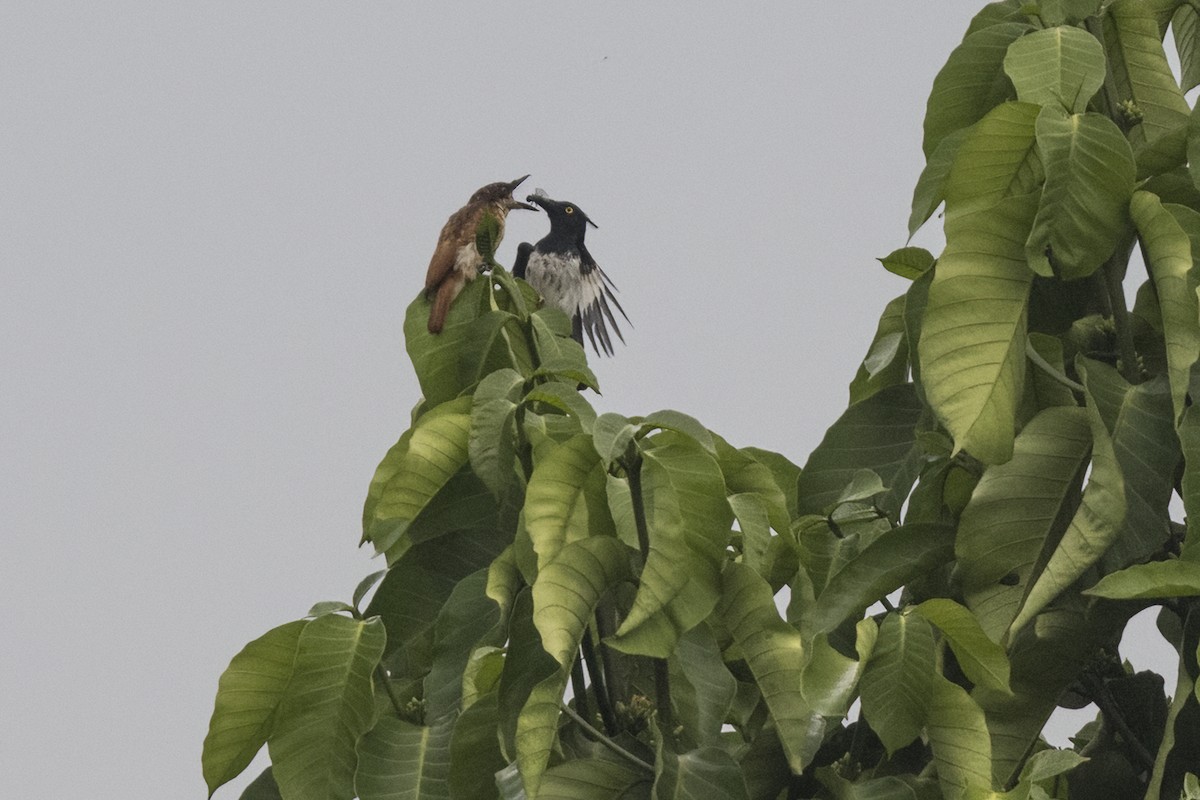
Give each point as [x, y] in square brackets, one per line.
[596, 299]
[446, 252]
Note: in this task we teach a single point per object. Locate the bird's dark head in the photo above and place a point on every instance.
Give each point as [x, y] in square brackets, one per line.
[563, 214]
[500, 193]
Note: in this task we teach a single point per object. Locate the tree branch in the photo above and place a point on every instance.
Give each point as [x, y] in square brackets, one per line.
[607, 742]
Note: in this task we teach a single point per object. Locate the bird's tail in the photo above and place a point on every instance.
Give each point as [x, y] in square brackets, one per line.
[441, 304]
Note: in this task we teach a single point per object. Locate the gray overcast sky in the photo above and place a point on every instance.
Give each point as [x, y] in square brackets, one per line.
[212, 216]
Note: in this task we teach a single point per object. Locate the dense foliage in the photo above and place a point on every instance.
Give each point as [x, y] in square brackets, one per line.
[585, 607]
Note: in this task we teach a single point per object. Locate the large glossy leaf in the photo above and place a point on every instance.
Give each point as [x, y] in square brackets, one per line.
[889, 562]
[876, 434]
[972, 347]
[689, 521]
[760, 474]
[898, 680]
[247, 695]
[564, 599]
[1140, 72]
[971, 82]
[1170, 259]
[997, 160]
[706, 773]
[565, 500]
[1014, 508]
[399, 759]
[702, 688]
[491, 446]
[982, 660]
[958, 734]
[775, 655]
[435, 452]
[1095, 525]
[595, 779]
[679, 422]
[1089, 179]
[1061, 66]
[1149, 581]
[328, 705]
[886, 363]
[1185, 25]
[454, 360]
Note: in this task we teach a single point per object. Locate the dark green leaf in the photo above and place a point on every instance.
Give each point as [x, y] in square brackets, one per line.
[248, 693]
[262, 788]
[594, 779]
[396, 759]
[702, 687]
[328, 705]
[886, 363]
[898, 680]
[612, 434]
[475, 752]
[703, 774]
[930, 190]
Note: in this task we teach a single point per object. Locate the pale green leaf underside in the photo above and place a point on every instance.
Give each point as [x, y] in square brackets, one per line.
[1062, 65]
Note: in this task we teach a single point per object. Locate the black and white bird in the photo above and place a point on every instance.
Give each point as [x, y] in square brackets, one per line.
[564, 273]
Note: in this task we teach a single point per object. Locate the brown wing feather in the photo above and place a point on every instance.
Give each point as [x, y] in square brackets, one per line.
[451, 238]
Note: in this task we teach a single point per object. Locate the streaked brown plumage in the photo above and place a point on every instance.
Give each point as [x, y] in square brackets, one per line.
[457, 258]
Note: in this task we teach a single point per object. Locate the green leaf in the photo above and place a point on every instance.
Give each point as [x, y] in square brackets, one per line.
[565, 500]
[898, 679]
[703, 774]
[702, 688]
[247, 695]
[958, 734]
[611, 436]
[1150, 581]
[475, 756]
[775, 655]
[751, 515]
[1140, 73]
[876, 434]
[1048, 764]
[1089, 180]
[396, 759]
[328, 705]
[526, 665]
[982, 660]
[1170, 260]
[366, 585]
[561, 357]
[1096, 523]
[971, 82]
[688, 519]
[436, 451]
[680, 423]
[565, 596]
[972, 346]
[594, 779]
[1013, 510]
[1186, 27]
[746, 471]
[930, 190]
[891, 561]
[998, 160]
[830, 678]
[1189, 437]
[565, 397]
[886, 363]
[907, 262]
[1062, 66]
[262, 788]
[490, 444]
[453, 361]
[784, 472]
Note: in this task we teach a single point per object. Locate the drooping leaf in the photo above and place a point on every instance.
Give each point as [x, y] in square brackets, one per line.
[982, 660]
[971, 82]
[751, 515]
[611, 436]
[1170, 260]
[762, 474]
[898, 680]
[1089, 179]
[565, 500]
[775, 655]
[972, 346]
[490, 444]
[930, 190]
[565, 397]
[958, 734]
[1149, 581]
[328, 705]
[247, 695]
[702, 688]
[436, 450]
[889, 562]
[784, 471]
[1012, 511]
[996, 161]
[886, 363]
[830, 678]
[1141, 76]
[689, 521]
[1185, 25]
[1096, 522]
[1062, 66]
[475, 752]
[1189, 438]
[702, 774]
[876, 434]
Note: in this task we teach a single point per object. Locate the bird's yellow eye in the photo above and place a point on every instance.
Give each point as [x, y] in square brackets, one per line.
[569, 209]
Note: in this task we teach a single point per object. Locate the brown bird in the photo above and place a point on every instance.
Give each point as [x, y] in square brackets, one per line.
[467, 246]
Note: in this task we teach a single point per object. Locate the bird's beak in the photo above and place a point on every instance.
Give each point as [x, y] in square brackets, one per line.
[512, 203]
[512, 187]
[536, 198]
